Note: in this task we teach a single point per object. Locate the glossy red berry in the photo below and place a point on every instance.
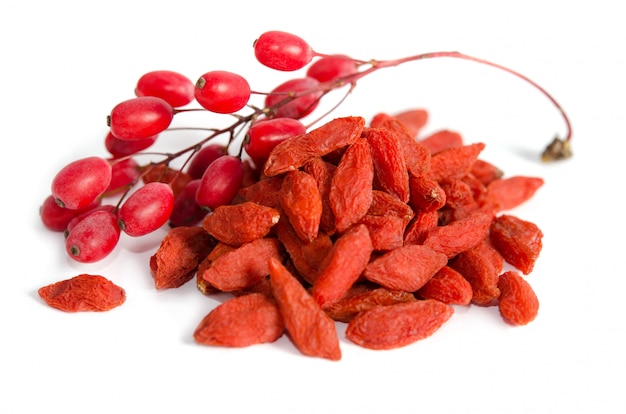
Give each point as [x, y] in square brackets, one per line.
[147, 209]
[282, 51]
[222, 92]
[295, 108]
[330, 68]
[187, 212]
[264, 135]
[123, 174]
[203, 158]
[140, 118]
[94, 237]
[81, 182]
[176, 89]
[220, 183]
[122, 147]
[56, 218]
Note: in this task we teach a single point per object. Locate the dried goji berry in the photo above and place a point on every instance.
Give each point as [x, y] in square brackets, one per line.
[294, 246]
[351, 189]
[481, 274]
[415, 232]
[176, 260]
[264, 192]
[485, 171]
[310, 329]
[83, 293]
[518, 241]
[413, 120]
[204, 286]
[241, 321]
[301, 202]
[459, 235]
[405, 268]
[426, 193]
[447, 286]
[384, 204]
[361, 298]
[243, 266]
[386, 232]
[322, 171]
[508, 193]
[441, 140]
[398, 325]
[293, 153]
[346, 261]
[390, 172]
[236, 224]
[416, 156]
[518, 301]
[454, 162]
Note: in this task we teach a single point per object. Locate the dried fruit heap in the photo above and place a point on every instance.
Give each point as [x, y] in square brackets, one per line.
[364, 222]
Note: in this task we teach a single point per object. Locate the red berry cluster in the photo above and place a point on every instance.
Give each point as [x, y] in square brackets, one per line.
[79, 204]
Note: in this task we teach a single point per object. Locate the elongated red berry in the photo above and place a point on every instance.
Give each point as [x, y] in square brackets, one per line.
[222, 92]
[122, 147]
[147, 209]
[81, 182]
[94, 237]
[330, 68]
[264, 135]
[140, 118]
[220, 183]
[203, 158]
[56, 218]
[282, 51]
[284, 105]
[173, 87]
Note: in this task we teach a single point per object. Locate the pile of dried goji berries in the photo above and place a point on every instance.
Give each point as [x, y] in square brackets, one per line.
[359, 223]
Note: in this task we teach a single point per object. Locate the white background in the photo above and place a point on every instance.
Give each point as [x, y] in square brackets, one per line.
[67, 63]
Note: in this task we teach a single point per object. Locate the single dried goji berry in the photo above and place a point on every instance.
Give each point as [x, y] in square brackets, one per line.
[518, 301]
[418, 228]
[204, 286]
[405, 268]
[386, 232]
[508, 193]
[310, 329]
[243, 266]
[454, 162]
[416, 156]
[301, 202]
[236, 224]
[294, 246]
[485, 171]
[481, 274]
[178, 256]
[83, 293]
[459, 235]
[241, 321]
[264, 192]
[322, 171]
[447, 286]
[345, 262]
[385, 204]
[398, 325]
[293, 153]
[441, 140]
[351, 189]
[360, 298]
[390, 172]
[426, 193]
[518, 241]
[413, 120]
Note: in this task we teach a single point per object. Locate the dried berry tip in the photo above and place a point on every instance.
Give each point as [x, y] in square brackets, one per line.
[558, 149]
